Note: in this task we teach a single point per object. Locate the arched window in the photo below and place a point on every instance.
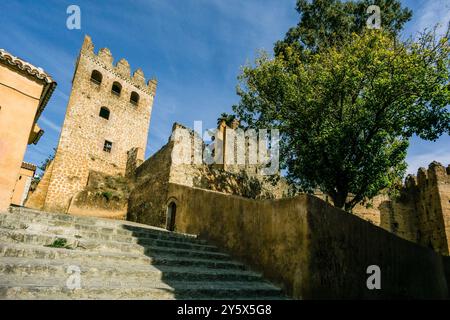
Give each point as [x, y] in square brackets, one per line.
[171, 214]
[104, 113]
[134, 98]
[116, 88]
[96, 77]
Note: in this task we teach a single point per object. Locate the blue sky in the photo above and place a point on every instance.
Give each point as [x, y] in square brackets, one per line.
[195, 49]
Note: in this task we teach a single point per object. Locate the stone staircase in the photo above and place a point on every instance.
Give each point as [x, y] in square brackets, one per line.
[41, 254]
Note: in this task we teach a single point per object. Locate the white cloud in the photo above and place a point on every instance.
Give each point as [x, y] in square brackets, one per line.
[50, 124]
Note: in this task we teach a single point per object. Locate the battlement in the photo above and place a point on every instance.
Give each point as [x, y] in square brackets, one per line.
[421, 212]
[121, 69]
[435, 174]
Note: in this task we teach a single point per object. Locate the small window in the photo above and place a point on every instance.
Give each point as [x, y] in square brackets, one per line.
[134, 98]
[116, 88]
[96, 77]
[107, 146]
[104, 113]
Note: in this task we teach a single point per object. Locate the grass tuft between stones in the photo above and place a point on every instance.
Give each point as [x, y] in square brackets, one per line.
[59, 243]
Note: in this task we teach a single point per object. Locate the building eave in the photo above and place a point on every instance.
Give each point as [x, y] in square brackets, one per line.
[37, 73]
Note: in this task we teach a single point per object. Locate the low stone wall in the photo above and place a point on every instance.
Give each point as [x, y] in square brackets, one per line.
[308, 247]
[36, 199]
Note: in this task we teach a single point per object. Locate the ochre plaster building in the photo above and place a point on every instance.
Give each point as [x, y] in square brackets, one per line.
[24, 93]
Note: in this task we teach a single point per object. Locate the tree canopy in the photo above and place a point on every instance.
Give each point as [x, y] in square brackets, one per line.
[326, 23]
[346, 112]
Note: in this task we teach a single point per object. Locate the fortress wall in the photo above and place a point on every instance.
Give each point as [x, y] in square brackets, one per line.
[421, 213]
[147, 201]
[134, 159]
[174, 163]
[313, 250]
[433, 207]
[36, 199]
[397, 216]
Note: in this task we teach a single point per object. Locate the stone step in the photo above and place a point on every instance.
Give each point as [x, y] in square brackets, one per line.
[117, 260]
[122, 272]
[94, 221]
[45, 239]
[61, 222]
[87, 232]
[15, 292]
[174, 258]
[57, 293]
[56, 288]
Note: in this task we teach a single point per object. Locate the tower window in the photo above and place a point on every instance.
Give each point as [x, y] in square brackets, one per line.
[134, 98]
[96, 77]
[104, 113]
[107, 146]
[116, 88]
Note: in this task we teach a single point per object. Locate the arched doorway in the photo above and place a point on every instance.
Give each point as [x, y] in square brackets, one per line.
[171, 215]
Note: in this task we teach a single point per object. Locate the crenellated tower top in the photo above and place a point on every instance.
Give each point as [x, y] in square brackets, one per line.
[435, 174]
[121, 69]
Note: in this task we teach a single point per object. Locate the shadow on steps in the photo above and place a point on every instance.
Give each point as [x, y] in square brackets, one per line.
[193, 269]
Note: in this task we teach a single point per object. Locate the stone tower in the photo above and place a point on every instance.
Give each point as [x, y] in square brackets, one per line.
[106, 123]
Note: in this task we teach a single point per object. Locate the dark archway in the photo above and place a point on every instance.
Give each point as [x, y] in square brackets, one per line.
[171, 215]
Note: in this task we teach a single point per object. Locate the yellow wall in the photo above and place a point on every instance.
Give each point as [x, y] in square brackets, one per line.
[19, 100]
[309, 248]
[22, 186]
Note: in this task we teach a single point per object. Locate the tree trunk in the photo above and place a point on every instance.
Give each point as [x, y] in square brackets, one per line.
[339, 199]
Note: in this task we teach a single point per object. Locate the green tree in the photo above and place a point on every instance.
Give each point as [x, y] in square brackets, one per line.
[346, 112]
[228, 118]
[326, 23]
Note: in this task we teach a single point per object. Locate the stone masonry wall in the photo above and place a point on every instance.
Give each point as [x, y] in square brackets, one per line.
[174, 163]
[433, 207]
[134, 160]
[148, 198]
[248, 183]
[84, 132]
[36, 199]
[104, 196]
[421, 213]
